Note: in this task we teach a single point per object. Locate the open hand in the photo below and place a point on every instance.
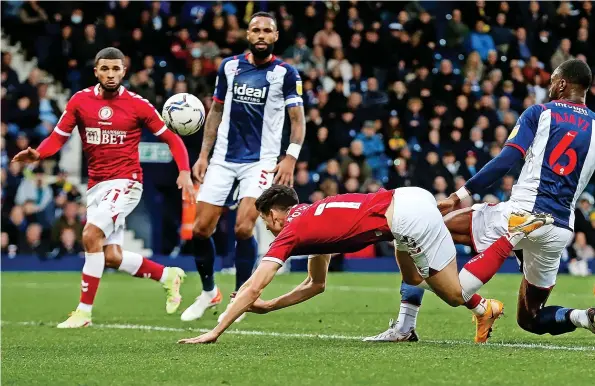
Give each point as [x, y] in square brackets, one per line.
[184, 182]
[27, 156]
[209, 337]
[284, 170]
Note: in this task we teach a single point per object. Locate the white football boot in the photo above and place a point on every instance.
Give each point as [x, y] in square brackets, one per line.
[202, 303]
[393, 335]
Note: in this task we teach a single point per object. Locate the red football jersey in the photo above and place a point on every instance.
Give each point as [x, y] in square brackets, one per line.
[337, 224]
[110, 130]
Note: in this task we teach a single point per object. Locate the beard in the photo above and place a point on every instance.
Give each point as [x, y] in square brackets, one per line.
[261, 54]
[107, 88]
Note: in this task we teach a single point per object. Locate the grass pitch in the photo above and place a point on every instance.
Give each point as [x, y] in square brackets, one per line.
[315, 343]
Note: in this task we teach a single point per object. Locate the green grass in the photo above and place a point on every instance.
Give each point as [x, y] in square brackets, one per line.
[354, 305]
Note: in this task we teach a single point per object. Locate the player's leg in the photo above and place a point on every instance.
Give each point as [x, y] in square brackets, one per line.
[92, 239]
[253, 180]
[212, 196]
[540, 267]
[403, 329]
[246, 246]
[459, 226]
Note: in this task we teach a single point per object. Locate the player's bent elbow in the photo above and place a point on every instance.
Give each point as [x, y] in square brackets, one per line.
[318, 288]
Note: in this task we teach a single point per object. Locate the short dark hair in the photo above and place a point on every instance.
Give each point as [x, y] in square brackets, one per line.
[576, 72]
[278, 197]
[109, 53]
[264, 14]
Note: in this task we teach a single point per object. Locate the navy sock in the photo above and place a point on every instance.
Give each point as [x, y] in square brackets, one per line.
[554, 320]
[411, 294]
[246, 253]
[204, 257]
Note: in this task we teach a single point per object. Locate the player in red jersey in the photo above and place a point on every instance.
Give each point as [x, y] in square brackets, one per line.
[109, 118]
[347, 223]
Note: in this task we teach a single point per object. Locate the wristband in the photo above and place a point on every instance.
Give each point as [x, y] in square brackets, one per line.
[462, 193]
[294, 150]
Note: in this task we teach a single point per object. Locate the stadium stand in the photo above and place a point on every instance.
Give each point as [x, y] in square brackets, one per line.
[395, 95]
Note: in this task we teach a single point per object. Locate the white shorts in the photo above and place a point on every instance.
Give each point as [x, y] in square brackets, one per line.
[108, 204]
[419, 229]
[252, 177]
[541, 251]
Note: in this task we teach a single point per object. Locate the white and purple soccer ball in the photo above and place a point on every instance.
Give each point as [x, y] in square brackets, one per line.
[184, 114]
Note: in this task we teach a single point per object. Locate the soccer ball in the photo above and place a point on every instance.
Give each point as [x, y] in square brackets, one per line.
[184, 114]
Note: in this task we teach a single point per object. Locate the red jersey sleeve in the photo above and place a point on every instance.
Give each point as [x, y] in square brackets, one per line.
[149, 116]
[67, 121]
[282, 247]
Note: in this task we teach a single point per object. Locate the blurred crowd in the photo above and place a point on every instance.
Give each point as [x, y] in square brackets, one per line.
[395, 94]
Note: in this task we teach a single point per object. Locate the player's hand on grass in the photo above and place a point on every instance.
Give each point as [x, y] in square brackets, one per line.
[185, 183]
[448, 204]
[199, 169]
[27, 156]
[259, 307]
[284, 171]
[209, 337]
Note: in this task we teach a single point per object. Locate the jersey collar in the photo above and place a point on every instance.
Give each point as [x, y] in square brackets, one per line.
[273, 58]
[570, 103]
[97, 94]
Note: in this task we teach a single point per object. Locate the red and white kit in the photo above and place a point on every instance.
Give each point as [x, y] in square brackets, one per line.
[110, 129]
[350, 222]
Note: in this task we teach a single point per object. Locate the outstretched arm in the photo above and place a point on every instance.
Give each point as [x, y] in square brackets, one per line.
[312, 286]
[247, 295]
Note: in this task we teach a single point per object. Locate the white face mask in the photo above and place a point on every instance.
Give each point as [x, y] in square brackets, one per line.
[76, 19]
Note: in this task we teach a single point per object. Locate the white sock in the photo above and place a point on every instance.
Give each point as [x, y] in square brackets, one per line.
[164, 275]
[94, 265]
[407, 319]
[212, 293]
[131, 262]
[85, 307]
[579, 318]
[469, 282]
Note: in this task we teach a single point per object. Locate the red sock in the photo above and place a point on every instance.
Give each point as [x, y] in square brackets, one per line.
[89, 287]
[485, 265]
[150, 269]
[473, 302]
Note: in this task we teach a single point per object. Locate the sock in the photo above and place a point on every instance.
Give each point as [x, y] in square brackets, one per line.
[212, 293]
[138, 266]
[579, 318]
[204, 257]
[554, 320]
[411, 298]
[246, 254]
[477, 304]
[480, 269]
[92, 272]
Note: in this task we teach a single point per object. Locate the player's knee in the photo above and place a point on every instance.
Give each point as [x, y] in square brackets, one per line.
[244, 230]
[92, 239]
[528, 324]
[455, 300]
[112, 259]
[413, 280]
[201, 230]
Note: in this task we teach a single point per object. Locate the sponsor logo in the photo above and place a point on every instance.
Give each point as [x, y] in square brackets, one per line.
[244, 94]
[97, 136]
[84, 286]
[514, 132]
[274, 77]
[298, 87]
[106, 113]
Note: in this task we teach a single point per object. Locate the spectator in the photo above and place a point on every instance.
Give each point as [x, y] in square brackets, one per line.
[10, 79]
[339, 61]
[428, 169]
[519, 48]
[505, 191]
[562, 54]
[501, 33]
[69, 219]
[474, 64]
[401, 175]
[583, 46]
[35, 190]
[356, 154]
[142, 84]
[584, 252]
[504, 107]
[544, 47]
[328, 37]
[68, 244]
[299, 52]
[33, 244]
[197, 82]
[304, 186]
[48, 112]
[322, 149]
[456, 30]
[480, 41]
[374, 97]
[446, 84]
[110, 32]
[374, 150]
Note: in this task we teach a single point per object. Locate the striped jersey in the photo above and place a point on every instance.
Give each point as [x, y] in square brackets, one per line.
[254, 101]
[558, 144]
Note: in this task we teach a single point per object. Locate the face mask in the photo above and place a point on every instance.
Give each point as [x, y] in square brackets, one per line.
[196, 52]
[76, 19]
